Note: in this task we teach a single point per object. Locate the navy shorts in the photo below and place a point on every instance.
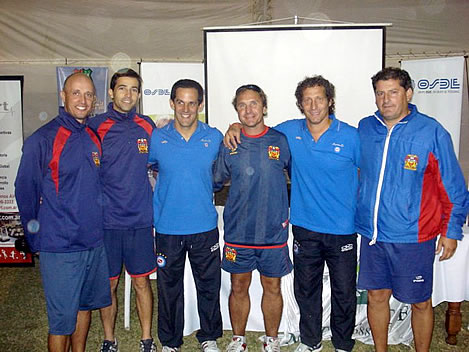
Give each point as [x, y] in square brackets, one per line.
[404, 268]
[269, 261]
[133, 248]
[73, 281]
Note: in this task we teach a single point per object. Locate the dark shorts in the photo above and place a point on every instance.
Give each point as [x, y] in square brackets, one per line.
[73, 281]
[133, 248]
[269, 261]
[404, 268]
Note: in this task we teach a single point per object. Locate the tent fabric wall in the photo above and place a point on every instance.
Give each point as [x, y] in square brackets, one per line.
[36, 36]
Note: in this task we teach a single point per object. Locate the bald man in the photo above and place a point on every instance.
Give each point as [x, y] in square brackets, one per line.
[60, 202]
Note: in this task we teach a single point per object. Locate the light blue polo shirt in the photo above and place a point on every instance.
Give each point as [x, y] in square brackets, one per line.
[183, 196]
[324, 176]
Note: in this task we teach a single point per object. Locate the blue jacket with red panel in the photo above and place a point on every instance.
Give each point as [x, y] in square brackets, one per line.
[127, 191]
[411, 185]
[57, 187]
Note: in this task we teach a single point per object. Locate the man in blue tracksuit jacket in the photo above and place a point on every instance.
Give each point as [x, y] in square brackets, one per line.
[128, 213]
[411, 190]
[59, 197]
[185, 218]
[324, 182]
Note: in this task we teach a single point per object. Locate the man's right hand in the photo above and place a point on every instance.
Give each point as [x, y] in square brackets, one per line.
[233, 136]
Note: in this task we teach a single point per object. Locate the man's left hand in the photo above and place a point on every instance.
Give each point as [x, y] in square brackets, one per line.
[448, 245]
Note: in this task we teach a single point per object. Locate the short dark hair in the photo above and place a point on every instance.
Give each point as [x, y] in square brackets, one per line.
[393, 73]
[126, 72]
[252, 87]
[315, 81]
[188, 83]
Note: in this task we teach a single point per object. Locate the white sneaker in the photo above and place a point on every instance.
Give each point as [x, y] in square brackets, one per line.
[237, 345]
[170, 349]
[271, 345]
[305, 348]
[209, 346]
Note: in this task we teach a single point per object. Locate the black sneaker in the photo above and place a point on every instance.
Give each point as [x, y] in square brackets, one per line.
[147, 345]
[109, 346]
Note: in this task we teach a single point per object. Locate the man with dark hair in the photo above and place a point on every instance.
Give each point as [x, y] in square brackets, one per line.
[324, 183]
[255, 217]
[59, 196]
[128, 232]
[185, 218]
[411, 190]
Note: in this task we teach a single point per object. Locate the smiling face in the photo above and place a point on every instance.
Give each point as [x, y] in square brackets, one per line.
[186, 109]
[251, 111]
[78, 96]
[392, 100]
[125, 94]
[315, 106]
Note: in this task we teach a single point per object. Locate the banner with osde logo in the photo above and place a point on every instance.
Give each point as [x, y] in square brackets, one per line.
[99, 75]
[158, 78]
[438, 86]
[11, 142]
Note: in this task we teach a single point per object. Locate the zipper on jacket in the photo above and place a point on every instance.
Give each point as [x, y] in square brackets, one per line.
[380, 184]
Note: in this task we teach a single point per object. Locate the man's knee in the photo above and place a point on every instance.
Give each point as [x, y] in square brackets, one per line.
[271, 285]
[379, 296]
[422, 306]
[240, 285]
[141, 283]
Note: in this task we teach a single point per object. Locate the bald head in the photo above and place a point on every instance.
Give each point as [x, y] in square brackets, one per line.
[78, 95]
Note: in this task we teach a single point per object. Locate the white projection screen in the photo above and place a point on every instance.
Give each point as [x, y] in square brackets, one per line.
[277, 58]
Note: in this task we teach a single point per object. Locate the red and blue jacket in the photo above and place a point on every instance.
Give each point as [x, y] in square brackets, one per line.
[57, 187]
[125, 138]
[411, 185]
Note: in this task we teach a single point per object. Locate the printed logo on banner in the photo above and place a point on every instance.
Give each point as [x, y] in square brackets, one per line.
[438, 85]
[156, 91]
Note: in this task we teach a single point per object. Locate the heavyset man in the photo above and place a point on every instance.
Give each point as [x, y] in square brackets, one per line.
[128, 213]
[324, 181]
[185, 218]
[255, 217]
[411, 190]
[60, 201]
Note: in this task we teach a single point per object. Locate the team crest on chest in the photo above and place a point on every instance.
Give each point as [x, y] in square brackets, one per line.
[96, 160]
[274, 152]
[411, 162]
[230, 254]
[142, 145]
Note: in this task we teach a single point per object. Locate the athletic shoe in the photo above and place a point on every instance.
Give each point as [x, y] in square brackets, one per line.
[209, 346]
[109, 346]
[271, 345]
[147, 345]
[237, 345]
[170, 349]
[305, 348]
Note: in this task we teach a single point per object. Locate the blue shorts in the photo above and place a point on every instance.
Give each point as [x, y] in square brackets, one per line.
[404, 268]
[73, 281]
[269, 261]
[133, 248]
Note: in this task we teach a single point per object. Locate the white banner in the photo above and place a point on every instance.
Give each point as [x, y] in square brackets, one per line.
[11, 141]
[438, 86]
[158, 78]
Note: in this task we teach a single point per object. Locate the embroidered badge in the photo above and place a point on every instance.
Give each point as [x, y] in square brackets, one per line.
[142, 145]
[161, 260]
[411, 162]
[230, 254]
[96, 160]
[274, 152]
